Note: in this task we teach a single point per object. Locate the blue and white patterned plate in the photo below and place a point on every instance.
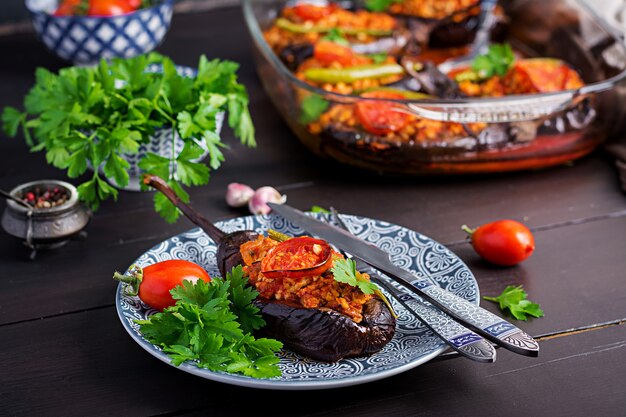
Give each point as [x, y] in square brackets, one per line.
[412, 345]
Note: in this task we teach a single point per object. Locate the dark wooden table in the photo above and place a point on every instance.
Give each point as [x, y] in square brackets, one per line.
[63, 351]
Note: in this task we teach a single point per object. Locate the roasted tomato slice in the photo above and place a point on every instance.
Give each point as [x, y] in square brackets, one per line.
[327, 53]
[541, 75]
[379, 117]
[297, 257]
[313, 12]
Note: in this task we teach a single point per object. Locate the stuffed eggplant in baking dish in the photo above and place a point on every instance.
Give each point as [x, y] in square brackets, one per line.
[365, 61]
[387, 80]
[311, 298]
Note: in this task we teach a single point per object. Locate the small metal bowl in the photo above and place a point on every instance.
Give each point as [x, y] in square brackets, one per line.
[45, 228]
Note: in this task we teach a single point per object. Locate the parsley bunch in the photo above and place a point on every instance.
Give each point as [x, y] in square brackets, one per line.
[93, 115]
[211, 324]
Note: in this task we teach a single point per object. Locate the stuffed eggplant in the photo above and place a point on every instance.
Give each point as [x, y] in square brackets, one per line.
[379, 124]
[302, 303]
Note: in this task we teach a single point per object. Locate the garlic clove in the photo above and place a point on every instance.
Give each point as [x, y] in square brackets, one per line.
[262, 196]
[238, 195]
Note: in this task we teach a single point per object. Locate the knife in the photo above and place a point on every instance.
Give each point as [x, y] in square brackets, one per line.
[481, 321]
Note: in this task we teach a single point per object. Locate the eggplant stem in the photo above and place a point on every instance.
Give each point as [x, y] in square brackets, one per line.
[196, 218]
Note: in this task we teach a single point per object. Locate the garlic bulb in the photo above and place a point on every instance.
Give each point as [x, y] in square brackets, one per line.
[238, 195]
[262, 196]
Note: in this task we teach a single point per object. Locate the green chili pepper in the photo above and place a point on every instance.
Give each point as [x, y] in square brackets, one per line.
[297, 28]
[349, 75]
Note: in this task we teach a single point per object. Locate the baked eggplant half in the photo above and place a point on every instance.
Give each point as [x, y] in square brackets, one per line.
[301, 302]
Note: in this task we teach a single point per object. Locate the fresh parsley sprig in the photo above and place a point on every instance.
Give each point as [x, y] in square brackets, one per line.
[91, 116]
[344, 270]
[497, 61]
[514, 300]
[211, 325]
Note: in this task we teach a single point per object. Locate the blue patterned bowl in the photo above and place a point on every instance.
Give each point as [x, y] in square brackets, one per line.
[86, 39]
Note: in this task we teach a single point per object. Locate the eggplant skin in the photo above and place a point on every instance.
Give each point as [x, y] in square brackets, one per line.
[228, 250]
[324, 334]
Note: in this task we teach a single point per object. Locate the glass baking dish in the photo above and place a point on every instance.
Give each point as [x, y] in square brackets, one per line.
[555, 127]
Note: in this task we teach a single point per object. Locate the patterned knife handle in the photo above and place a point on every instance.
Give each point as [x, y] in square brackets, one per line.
[483, 322]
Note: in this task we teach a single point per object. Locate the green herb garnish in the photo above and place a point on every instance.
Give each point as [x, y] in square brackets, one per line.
[514, 300]
[211, 324]
[379, 58]
[344, 270]
[312, 108]
[496, 61]
[380, 5]
[335, 35]
[319, 209]
[91, 116]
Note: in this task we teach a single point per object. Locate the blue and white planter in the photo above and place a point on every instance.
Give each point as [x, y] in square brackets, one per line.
[87, 39]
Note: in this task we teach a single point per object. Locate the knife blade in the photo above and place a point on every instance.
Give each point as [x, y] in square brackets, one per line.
[481, 321]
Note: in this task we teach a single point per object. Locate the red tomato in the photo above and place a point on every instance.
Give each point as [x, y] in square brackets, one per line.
[69, 8]
[109, 7]
[156, 281]
[504, 242]
[541, 75]
[312, 12]
[135, 4]
[326, 53]
[379, 117]
[296, 258]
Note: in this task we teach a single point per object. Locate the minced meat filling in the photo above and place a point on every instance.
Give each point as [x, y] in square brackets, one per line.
[319, 291]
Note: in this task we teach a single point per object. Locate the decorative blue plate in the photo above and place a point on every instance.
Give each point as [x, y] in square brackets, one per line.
[412, 345]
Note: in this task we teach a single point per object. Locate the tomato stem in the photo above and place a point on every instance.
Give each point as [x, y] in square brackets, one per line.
[468, 230]
[133, 280]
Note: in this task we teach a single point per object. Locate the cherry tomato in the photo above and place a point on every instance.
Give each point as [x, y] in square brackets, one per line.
[379, 117]
[135, 4]
[296, 258]
[154, 282]
[327, 53]
[504, 242]
[312, 12]
[109, 7]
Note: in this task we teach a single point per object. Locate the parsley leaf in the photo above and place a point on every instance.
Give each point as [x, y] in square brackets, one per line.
[165, 207]
[344, 270]
[496, 61]
[319, 209]
[207, 326]
[514, 300]
[380, 5]
[312, 108]
[379, 58]
[335, 35]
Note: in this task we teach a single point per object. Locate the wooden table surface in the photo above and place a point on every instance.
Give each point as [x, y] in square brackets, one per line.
[63, 351]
